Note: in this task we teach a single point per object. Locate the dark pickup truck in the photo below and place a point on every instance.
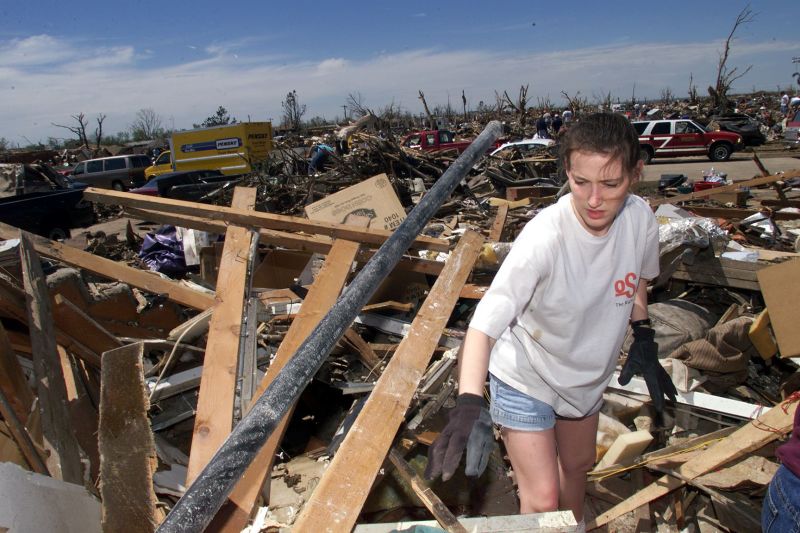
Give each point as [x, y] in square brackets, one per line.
[38, 199]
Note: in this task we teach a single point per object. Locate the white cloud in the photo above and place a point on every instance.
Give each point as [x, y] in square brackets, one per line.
[113, 81]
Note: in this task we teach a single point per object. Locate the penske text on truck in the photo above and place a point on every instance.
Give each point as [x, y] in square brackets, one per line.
[232, 149]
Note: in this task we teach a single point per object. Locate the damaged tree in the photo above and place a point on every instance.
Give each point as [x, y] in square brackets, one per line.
[79, 130]
[293, 111]
[725, 77]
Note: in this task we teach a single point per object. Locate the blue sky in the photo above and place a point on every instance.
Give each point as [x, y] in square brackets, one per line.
[185, 59]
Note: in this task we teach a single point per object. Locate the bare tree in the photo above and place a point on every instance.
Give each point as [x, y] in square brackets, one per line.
[725, 76]
[147, 124]
[692, 89]
[355, 103]
[666, 96]
[79, 130]
[293, 111]
[98, 131]
[431, 121]
[576, 103]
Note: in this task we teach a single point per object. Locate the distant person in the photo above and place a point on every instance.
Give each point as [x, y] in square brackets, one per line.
[567, 115]
[784, 104]
[557, 123]
[541, 128]
[319, 155]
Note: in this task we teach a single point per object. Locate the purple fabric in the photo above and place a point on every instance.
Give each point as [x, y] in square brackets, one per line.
[789, 453]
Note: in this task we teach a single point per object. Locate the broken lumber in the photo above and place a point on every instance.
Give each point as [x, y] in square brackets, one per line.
[755, 182]
[751, 436]
[21, 436]
[12, 380]
[214, 417]
[234, 515]
[85, 329]
[64, 460]
[337, 500]
[127, 450]
[257, 219]
[141, 279]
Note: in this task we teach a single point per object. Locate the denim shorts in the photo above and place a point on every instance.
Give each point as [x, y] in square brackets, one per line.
[781, 509]
[513, 409]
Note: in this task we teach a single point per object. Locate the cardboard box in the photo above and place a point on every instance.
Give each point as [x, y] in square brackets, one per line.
[373, 198]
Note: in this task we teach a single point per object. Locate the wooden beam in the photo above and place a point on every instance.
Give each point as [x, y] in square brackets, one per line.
[214, 418]
[752, 436]
[292, 241]
[21, 436]
[127, 450]
[428, 498]
[64, 460]
[732, 213]
[337, 500]
[12, 379]
[147, 281]
[259, 219]
[235, 513]
[499, 223]
[755, 182]
[82, 327]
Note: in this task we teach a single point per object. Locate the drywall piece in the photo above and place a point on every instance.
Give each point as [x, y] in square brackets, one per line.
[557, 521]
[127, 450]
[781, 294]
[625, 448]
[33, 502]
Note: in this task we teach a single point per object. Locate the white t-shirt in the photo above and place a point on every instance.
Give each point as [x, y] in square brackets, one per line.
[560, 303]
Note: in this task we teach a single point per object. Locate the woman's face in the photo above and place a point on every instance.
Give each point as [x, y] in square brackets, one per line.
[599, 189]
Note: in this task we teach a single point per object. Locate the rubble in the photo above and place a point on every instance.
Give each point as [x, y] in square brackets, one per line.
[148, 375]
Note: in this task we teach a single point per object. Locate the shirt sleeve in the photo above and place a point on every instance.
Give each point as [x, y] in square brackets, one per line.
[650, 261]
[513, 285]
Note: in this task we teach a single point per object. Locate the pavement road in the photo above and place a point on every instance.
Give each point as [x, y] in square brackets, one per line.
[739, 167]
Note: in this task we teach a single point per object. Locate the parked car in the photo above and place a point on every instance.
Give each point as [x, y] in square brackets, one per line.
[38, 199]
[120, 173]
[521, 149]
[790, 133]
[745, 125]
[679, 138]
[190, 185]
[435, 141]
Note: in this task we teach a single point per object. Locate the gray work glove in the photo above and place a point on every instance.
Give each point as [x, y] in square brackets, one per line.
[469, 427]
[643, 361]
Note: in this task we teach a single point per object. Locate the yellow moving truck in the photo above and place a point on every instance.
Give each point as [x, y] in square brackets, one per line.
[232, 149]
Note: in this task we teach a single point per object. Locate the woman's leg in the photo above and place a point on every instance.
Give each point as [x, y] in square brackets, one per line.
[575, 440]
[533, 458]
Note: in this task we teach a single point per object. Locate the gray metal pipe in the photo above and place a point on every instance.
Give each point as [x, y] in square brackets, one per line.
[195, 510]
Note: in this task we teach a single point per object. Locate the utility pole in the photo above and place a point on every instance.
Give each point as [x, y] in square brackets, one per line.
[344, 110]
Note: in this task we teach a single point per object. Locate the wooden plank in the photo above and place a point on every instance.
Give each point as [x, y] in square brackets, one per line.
[755, 182]
[752, 436]
[12, 379]
[83, 328]
[258, 219]
[64, 460]
[235, 513]
[499, 223]
[337, 500]
[141, 279]
[214, 418]
[21, 436]
[731, 213]
[428, 498]
[292, 241]
[126, 445]
[781, 294]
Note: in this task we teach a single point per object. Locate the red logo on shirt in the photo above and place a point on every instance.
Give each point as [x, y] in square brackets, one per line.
[626, 286]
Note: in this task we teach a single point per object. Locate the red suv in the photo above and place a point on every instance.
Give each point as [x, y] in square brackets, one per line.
[679, 138]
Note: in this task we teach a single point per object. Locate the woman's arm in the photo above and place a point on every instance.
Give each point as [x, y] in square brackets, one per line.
[474, 362]
[639, 311]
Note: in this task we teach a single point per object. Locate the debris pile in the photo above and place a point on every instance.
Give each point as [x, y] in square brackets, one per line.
[126, 382]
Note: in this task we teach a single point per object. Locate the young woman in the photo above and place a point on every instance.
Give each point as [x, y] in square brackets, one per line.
[549, 329]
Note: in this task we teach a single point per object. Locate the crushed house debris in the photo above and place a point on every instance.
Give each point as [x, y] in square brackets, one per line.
[282, 356]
